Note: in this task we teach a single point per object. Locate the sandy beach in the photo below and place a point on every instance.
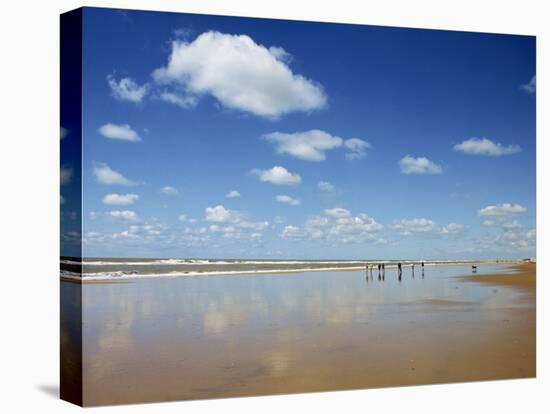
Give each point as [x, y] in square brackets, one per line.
[229, 336]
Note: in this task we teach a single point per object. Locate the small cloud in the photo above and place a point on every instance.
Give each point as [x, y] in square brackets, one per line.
[357, 147]
[308, 146]
[420, 165]
[511, 225]
[280, 54]
[183, 101]
[126, 89]
[416, 225]
[484, 146]
[452, 228]
[337, 212]
[233, 194]
[312, 145]
[106, 175]
[325, 186]
[169, 190]
[182, 217]
[531, 86]
[219, 214]
[287, 200]
[293, 233]
[65, 175]
[277, 175]
[120, 199]
[64, 132]
[125, 215]
[501, 210]
[122, 132]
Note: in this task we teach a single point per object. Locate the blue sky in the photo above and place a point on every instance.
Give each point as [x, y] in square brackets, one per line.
[209, 136]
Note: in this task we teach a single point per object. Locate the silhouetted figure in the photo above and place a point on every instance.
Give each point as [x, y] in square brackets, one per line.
[474, 269]
[399, 268]
[413, 271]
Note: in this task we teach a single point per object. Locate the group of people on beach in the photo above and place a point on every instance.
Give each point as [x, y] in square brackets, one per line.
[382, 269]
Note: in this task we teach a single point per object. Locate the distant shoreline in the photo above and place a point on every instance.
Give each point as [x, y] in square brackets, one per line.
[110, 277]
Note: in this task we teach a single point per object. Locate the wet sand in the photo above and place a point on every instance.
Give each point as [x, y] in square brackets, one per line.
[522, 276]
[229, 336]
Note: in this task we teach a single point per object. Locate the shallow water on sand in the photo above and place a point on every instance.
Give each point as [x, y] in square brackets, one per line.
[214, 336]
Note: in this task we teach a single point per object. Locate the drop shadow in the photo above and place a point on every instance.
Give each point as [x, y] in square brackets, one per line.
[49, 389]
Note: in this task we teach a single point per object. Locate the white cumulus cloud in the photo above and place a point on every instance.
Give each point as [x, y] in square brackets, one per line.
[292, 232]
[233, 222]
[126, 215]
[420, 165]
[531, 86]
[277, 175]
[287, 200]
[452, 228]
[126, 89]
[220, 214]
[416, 225]
[325, 186]
[123, 132]
[183, 101]
[309, 145]
[337, 212]
[240, 74]
[120, 199]
[501, 210]
[233, 194]
[337, 225]
[106, 175]
[357, 147]
[484, 146]
[169, 190]
[312, 145]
